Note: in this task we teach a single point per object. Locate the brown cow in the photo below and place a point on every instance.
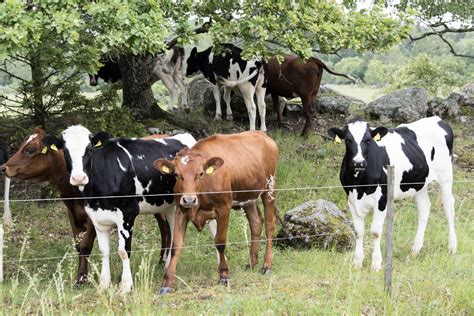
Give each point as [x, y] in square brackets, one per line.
[38, 160]
[239, 162]
[296, 78]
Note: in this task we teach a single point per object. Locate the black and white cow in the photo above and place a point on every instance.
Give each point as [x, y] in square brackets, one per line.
[109, 72]
[421, 152]
[7, 215]
[103, 167]
[229, 70]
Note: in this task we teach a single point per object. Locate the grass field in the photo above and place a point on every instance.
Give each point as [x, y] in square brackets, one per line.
[302, 282]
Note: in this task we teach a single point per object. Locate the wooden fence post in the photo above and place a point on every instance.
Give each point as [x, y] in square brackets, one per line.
[389, 230]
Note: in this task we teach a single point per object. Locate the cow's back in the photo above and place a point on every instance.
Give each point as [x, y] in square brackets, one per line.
[249, 157]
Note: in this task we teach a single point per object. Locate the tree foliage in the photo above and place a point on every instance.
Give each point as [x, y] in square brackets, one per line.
[60, 39]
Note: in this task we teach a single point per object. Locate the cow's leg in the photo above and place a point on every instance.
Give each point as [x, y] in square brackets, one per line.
[212, 226]
[85, 242]
[448, 205]
[308, 111]
[268, 199]
[179, 80]
[178, 225]
[220, 242]
[255, 223]
[276, 108]
[103, 239]
[84, 235]
[217, 98]
[169, 84]
[376, 230]
[359, 230]
[7, 215]
[165, 236]
[262, 108]
[423, 205]
[124, 250]
[227, 92]
[248, 91]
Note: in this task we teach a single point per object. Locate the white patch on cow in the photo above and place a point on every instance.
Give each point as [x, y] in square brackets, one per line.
[271, 187]
[185, 139]
[358, 129]
[125, 150]
[140, 157]
[120, 165]
[31, 138]
[76, 139]
[160, 140]
[211, 58]
[185, 160]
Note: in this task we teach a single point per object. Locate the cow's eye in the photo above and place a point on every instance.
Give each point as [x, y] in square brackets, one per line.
[178, 176]
[30, 151]
[367, 141]
[201, 174]
[348, 140]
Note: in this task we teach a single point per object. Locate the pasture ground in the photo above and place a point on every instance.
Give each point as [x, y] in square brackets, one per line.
[307, 282]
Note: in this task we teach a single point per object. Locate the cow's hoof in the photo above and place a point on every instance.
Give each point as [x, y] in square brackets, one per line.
[266, 271]
[187, 109]
[165, 290]
[217, 118]
[376, 267]
[83, 281]
[230, 117]
[225, 281]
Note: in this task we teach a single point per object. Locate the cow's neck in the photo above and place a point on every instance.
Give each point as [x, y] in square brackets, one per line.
[59, 177]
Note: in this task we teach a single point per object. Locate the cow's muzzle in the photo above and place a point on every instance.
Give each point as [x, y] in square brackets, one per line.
[360, 166]
[79, 180]
[188, 201]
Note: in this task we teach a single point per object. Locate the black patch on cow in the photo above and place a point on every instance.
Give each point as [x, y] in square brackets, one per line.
[449, 136]
[3, 153]
[432, 153]
[416, 177]
[253, 80]
[106, 177]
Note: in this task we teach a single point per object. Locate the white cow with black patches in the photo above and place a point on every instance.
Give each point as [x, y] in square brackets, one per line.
[421, 152]
[105, 167]
[227, 69]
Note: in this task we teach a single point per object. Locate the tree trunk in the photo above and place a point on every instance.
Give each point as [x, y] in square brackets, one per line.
[137, 94]
[37, 105]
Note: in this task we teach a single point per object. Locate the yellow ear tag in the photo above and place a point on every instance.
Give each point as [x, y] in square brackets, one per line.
[44, 150]
[53, 147]
[210, 170]
[98, 144]
[165, 169]
[337, 140]
[377, 137]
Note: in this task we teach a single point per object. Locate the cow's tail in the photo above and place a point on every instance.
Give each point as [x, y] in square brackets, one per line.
[233, 83]
[320, 63]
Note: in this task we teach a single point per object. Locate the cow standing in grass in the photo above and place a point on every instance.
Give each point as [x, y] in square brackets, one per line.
[421, 152]
[111, 172]
[229, 70]
[39, 160]
[240, 168]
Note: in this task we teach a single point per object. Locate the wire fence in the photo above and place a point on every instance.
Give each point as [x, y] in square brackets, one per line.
[149, 250]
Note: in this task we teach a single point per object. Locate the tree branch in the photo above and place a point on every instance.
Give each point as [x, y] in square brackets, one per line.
[203, 29]
[12, 75]
[451, 48]
[9, 99]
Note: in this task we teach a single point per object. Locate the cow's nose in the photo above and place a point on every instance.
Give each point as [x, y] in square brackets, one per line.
[80, 179]
[188, 200]
[360, 165]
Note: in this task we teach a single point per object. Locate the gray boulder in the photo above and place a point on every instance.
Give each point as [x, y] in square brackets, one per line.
[405, 105]
[331, 101]
[448, 107]
[316, 224]
[200, 93]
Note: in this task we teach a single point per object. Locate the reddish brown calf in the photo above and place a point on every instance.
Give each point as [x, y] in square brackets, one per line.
[297, 78]
[228, 164]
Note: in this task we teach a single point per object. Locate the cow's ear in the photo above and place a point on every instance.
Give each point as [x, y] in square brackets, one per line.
[99, 139]
[164, 166]
[212, 164]
[378, 133]
[194, 51]
[53, 143]
[337, 134]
